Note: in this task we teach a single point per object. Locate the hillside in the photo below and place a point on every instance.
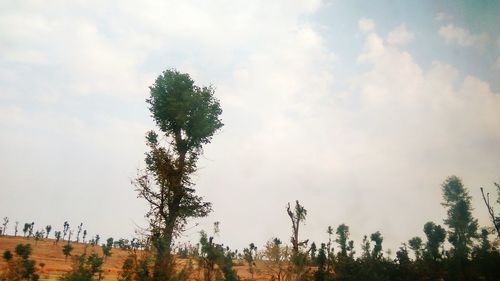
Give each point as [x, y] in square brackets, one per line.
[50, 254]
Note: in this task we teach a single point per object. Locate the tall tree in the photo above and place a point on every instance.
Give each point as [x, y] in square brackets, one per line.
[297, 216]
[187, 116]
[462, 226]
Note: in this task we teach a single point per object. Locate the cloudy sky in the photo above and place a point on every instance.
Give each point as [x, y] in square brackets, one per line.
[358, 109]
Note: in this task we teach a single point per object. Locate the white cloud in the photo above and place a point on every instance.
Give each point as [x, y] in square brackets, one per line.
[400, 36]
[462, 37]
[366, 25]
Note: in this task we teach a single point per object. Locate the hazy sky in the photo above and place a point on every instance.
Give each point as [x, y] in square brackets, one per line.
[359, 109]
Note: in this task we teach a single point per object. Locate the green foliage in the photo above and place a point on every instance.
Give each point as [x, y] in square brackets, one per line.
[365, 247]
[249, 256]
[23, 250]
[187, 116]
[323, 273]
[39, 234]
[106, 248]
[26, 229]
[377, 248]
[67, 250]
[342, 238]
[215, 260]
[7, 255]
[48, 228]
[462, 226]
[435, 238]
[184, 111]
[277, 256]
[416, 245]
[84, 268]
[20, 267]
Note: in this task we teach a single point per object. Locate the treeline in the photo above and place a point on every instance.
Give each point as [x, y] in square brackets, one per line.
[66, 234]
[471, 254]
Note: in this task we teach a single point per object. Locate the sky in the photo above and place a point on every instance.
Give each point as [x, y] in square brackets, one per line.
[360, 110]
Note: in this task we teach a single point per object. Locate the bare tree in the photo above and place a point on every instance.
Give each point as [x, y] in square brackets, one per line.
[5, 222]
[297, 215]
[495, 219]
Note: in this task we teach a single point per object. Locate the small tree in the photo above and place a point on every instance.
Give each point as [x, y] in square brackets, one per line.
[15, 228]
[7, 256]
[277, 257]
[377, 248]
[26, 228]
[84, 235]
[365, 247]
[435, 238]
[322, 273]
[84, 268]
[57, 235]
[39, 234]
[249, 256]
[48, 228]
[215, 260]
[30, 229]
[416, 245]
[463, 227]
[106, 248]
[65, 229]
[67, 251]
[329, 231]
